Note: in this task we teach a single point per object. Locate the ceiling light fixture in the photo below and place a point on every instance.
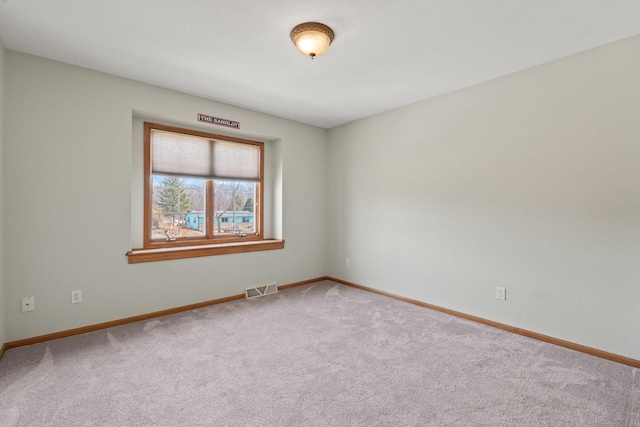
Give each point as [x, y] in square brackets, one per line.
[312, 38]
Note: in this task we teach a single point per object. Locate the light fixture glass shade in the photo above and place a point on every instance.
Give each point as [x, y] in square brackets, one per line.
[312, 38]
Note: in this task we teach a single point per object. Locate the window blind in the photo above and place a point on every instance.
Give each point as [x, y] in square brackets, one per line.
[197, 157]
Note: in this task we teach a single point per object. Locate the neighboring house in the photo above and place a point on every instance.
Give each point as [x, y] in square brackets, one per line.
[195, 220]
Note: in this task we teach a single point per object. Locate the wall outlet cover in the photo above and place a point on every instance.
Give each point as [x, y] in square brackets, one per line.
[28, 304]
[76, 297]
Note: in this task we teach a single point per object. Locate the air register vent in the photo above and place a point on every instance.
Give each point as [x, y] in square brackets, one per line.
[259, 291]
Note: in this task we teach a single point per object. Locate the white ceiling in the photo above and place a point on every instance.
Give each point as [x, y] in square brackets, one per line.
[387, 53]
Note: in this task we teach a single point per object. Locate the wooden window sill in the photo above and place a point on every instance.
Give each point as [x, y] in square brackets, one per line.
[162, 254]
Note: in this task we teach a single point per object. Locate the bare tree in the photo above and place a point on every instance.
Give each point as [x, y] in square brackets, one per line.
[197, 199]
[224, 198]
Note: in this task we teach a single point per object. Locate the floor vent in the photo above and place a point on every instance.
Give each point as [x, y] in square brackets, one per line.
[259, 291]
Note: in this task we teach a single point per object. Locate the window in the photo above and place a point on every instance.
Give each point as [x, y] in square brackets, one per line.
[200, 188]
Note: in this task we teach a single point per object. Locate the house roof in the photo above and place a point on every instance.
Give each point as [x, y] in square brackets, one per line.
[226, 213]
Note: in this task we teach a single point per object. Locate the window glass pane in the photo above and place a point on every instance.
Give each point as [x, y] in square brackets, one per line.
[178, 208]
[234, 208]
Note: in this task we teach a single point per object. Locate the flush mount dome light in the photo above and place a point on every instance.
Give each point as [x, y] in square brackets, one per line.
[312, 38]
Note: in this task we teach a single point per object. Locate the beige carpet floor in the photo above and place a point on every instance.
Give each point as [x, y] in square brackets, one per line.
[317, 355]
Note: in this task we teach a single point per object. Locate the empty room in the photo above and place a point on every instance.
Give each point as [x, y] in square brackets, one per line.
[337, 213]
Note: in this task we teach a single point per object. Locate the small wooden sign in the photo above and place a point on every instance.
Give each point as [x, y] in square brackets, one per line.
[218, 121]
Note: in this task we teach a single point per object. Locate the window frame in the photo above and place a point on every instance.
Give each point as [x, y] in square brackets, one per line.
[210, 238]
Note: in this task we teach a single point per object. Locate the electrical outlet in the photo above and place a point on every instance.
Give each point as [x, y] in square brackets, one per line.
[76, 297]
[346, 262]
[501, 293]
[28, 304]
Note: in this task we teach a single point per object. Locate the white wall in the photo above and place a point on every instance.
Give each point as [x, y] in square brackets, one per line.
[530, 181]
[70, 171]
[2, 100]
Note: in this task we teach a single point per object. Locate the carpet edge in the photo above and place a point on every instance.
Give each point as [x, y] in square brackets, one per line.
[137, 318]
[529, 334]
